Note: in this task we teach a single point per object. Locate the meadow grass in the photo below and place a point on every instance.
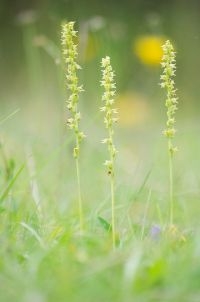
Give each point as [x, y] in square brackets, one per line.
[44, 258]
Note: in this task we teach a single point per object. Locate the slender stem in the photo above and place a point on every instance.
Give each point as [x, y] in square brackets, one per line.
[112, 188]
[112, 185]
[171, 189]
[80, 206]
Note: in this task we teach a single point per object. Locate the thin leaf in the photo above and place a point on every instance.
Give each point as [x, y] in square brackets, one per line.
[11, 183]
[105, 224]
[144, 182]
[9, 116]
[33, 232]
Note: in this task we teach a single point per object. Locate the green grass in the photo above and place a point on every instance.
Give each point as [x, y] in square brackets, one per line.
[44, 258]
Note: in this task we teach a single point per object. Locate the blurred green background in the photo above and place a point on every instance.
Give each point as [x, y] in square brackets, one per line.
[30, 46]
[130, 32]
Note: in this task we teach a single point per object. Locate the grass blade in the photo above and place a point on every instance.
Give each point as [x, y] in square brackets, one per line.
[33, 233]
[9, 116]
[11, 183]
[105, 224]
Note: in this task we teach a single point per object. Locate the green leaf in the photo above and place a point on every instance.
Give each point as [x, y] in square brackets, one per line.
[105, 224]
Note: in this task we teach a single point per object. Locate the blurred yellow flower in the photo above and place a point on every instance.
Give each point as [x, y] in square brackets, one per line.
[133, 109]
[149, 49]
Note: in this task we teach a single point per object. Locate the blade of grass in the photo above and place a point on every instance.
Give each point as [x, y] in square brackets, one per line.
[9, 116]
[143, 183]
[33, 232]
[145, 214]
[11, 183]
[105, 224]
[134, 196]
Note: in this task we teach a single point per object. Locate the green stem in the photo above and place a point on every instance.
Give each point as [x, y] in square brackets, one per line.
[171, 193]
[112, 185]
[112, 188]
[80, 206]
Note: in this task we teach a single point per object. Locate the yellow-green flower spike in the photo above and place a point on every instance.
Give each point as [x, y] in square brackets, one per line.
[109, 112]
[167, 81]
[69, 51]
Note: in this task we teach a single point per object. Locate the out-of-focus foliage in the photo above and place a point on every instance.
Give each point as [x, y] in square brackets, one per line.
[131, 32]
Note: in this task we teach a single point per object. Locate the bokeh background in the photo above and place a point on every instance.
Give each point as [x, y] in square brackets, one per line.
[131, 33]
